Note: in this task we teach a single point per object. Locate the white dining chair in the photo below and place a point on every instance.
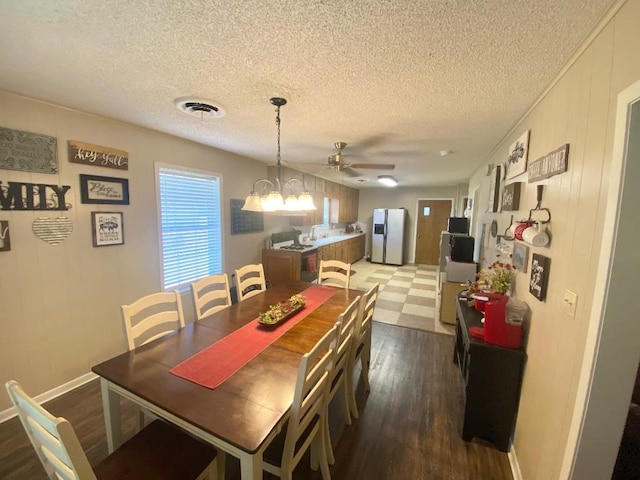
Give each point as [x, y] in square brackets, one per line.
[250, 281]
[159, 452]
[346, 325]
[210, 294]
[334, 273]
[151, 317]
[307, 416]
[361, 350]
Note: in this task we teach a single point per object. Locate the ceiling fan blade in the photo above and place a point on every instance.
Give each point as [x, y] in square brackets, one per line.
[349, 172]
[374, 166]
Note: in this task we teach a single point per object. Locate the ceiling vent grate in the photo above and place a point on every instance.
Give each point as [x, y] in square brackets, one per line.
[198, 107]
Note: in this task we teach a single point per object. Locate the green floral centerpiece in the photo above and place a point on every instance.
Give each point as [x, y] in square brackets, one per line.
[283, 310]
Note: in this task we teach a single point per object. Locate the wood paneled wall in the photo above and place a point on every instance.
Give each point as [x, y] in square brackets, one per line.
[579, 110]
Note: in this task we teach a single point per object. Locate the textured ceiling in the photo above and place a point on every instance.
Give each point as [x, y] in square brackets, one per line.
[399, 81]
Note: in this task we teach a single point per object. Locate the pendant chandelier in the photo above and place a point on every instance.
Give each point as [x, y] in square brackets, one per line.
[272, 198]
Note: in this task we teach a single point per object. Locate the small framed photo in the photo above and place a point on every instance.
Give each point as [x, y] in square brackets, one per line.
[539, 276]
[5, 238]
[107, 228]
[106, 190]
[520, 257]
[518, 153]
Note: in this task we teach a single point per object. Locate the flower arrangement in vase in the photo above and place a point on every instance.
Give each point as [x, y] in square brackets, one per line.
[497, 277]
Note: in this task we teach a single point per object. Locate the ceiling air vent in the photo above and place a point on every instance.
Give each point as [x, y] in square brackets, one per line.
[198, 107]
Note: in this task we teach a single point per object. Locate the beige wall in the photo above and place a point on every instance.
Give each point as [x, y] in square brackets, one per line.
[59, 305]
[579, 110]
[371, 198]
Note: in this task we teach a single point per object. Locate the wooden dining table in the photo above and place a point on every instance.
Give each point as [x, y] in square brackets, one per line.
[243, 414]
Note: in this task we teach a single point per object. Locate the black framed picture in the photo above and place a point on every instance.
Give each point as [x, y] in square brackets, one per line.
[243, 221]
[539, 276]
[107, 228]
[494, 189]
[104, 190]
[511, 197]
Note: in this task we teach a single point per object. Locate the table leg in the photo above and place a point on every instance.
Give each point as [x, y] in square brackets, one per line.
[251, 466]
[112, 419]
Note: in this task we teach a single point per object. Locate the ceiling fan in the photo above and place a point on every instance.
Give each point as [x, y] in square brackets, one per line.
[337, 162]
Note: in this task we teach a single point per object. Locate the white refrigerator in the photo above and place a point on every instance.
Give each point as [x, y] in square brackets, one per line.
[387, 236]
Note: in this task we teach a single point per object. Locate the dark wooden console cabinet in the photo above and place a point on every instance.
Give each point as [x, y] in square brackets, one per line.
[492, 376]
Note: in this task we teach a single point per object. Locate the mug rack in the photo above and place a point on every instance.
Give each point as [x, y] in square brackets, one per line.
[537, 208]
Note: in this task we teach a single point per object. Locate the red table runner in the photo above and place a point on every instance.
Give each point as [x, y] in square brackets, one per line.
[213, 365]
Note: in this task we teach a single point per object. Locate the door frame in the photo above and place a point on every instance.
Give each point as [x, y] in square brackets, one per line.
[611, 352]
[415, 220]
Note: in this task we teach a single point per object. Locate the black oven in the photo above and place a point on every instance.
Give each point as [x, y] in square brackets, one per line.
[309, 265]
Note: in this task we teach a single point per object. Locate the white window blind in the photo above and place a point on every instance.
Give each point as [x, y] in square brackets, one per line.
[190, 224]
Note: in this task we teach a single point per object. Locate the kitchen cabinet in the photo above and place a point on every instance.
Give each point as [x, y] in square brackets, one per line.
[355, 249]
[447, 297]
[281, 265]
[492, 377]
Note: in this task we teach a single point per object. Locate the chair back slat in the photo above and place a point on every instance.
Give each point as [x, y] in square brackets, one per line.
[250, 281]
[151, 317]
[334, 273]
[210, 294]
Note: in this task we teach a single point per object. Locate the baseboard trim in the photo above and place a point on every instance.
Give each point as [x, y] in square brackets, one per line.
[51, 394]
[515, 466]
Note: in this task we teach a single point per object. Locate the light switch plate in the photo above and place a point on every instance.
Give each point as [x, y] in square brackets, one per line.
[570, 302]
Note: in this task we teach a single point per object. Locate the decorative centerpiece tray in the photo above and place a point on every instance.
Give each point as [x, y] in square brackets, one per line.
[283, 311]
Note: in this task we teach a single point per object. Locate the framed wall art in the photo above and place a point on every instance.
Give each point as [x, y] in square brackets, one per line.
[494, 189]
[511, 197]
[108, 190]
[243, 221]
[97, 156]
[107, 228]
[28, 152]
[520, 257]
[539, 276]
[518, 153]
[5, 238]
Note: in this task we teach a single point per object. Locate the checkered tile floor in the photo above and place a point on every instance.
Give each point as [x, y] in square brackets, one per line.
[407, 294]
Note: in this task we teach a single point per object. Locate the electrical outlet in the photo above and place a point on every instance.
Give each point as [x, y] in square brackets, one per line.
[570, 301]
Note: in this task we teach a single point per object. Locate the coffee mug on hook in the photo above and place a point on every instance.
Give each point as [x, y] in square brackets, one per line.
[519, 230]
[535, 235]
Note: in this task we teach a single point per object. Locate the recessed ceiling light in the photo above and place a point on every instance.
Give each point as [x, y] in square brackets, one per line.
[199, 107]
[387, 180]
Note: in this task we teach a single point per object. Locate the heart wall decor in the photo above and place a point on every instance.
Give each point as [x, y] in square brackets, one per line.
[52, 230]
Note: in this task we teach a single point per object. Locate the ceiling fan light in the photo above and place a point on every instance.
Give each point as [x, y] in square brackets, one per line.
[387, 180]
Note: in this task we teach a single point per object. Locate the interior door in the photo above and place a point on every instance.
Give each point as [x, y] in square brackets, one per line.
[432, 219]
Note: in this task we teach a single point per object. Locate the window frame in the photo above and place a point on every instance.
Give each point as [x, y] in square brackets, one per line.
[158, 167]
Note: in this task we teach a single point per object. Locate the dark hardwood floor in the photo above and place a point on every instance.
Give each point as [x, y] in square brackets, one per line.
[409, 426]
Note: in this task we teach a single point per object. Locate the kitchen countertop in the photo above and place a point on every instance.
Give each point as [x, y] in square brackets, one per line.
[321, 242]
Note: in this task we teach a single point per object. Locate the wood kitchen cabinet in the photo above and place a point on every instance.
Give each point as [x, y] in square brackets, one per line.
[281, 265]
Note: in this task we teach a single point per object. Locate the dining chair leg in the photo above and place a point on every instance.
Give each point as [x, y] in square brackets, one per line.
[351, 389]
[221, 464]
[323, 450]
[327, 441]
[346, 402]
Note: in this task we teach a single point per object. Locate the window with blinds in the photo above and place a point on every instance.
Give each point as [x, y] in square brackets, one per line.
[190, 225]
